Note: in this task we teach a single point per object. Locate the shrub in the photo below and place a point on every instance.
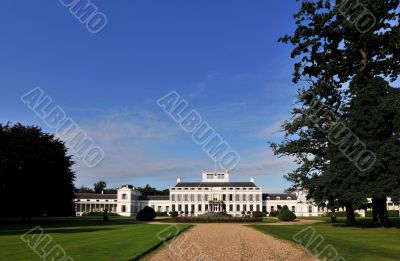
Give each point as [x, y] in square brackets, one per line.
[174, 213]
[274, 213]
[258, 214]
[146, 214]
[286, 215]
[162, 214]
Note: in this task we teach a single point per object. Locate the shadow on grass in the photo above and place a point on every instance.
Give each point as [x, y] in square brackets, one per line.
[49, 223]
[367, 223]
[54, 231]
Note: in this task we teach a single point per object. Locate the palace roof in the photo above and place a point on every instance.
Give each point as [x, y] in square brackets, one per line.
[215, 184]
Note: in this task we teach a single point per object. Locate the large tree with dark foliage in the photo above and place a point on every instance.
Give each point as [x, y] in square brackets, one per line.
[35, 173]
[99, 187]
[332, 49]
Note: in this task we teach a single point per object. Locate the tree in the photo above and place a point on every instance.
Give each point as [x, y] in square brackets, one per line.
[149, 190]
[373, 115]
[99, 187]
[84, 189]
[331, 50]
[35, 173]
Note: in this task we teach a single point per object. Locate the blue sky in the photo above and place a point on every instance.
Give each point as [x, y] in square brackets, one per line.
[221, 56]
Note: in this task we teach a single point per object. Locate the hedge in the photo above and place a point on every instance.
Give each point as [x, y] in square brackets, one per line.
[391, 213]
[339, 214]
[98, 214]
[217, 220]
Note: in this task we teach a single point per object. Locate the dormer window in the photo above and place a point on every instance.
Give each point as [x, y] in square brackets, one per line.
[278, 198]
[289, 198]
[268, 198]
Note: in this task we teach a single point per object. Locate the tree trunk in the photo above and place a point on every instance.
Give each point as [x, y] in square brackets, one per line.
[350, 216]
[379, 212]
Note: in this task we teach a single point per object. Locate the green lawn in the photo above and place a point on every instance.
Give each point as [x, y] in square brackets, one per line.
[85, 238]
[269, 220]
[352, 243]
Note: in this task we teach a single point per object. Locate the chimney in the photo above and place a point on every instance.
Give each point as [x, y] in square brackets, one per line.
[252, 179]
[178, 180]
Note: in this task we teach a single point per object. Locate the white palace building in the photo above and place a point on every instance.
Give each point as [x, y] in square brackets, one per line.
[215, 193]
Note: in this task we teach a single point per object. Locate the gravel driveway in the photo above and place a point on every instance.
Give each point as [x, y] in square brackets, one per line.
[228, 242]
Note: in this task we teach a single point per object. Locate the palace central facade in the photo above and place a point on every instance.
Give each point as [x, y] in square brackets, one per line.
[215, 193]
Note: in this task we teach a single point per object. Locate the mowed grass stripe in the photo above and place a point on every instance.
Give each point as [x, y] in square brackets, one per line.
[103, 242]
[352, 243]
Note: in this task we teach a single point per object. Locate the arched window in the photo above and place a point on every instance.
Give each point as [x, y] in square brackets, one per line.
[123, 208]
[124, 196]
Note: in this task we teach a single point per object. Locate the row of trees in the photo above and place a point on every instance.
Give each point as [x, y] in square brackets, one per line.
[101, 186]
[348, 74]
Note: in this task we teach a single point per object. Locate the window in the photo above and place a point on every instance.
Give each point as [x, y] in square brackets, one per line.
[231, 207]
[159, 209]
[167, 208]
[268, 198]
[173, 197]
[206, 197]
[220, 176]
[244, 197]
[224, 197]
[209, 176]
[179, 197]
[179, 207]
[123, 208]
[251, 197]
[258, 207]
[173, 207]
[198, 197]
[244, 207]
[206, 207]
[293, 209]
[272, 208]
[237, 197]
[237, 207]
[186, 197]
[278, 198]
[288, 198]
[123, 196]
[230, 197]
[199, 207]
[192, 197]
[251, 207]
[257, 197]
[310, 208]
[192, 207]
[186, 208]
[279, 207]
